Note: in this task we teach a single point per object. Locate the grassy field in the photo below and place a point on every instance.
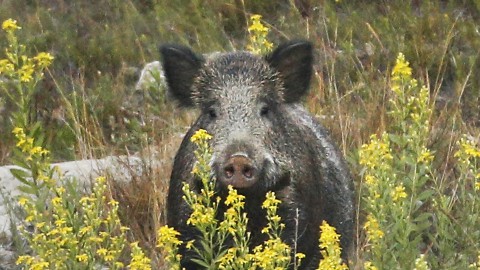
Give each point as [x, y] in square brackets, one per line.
[85, 105]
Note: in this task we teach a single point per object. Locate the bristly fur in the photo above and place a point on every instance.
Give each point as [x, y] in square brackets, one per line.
[239, 69]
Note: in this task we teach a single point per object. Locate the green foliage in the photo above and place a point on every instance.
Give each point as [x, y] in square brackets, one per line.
[68, 231]
[20, 77]
[402, 194]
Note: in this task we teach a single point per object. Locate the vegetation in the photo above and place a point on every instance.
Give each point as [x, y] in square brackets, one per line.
[395, 83]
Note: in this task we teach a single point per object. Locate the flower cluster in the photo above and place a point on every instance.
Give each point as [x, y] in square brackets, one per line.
[376, 154]
[67, 237]
[372, 229]
[139, 260]
[10, 25]
[69, 231]
[330, 249]
[421, 263]
[167, 240]
[258, 42]
[234, 223]
[26, 145]
[468, 156]
[17, 65]
[396, 167]
[23, 71]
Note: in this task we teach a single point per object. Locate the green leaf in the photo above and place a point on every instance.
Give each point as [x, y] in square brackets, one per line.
[201, 263]
[32, 190]
[426, 194]
[21, 175]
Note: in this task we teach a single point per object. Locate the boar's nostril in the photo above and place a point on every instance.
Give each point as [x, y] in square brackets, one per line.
[229, 171]
[247, 171]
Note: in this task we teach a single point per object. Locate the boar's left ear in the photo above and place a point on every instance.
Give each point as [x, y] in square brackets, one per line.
[181, 66]
[293, 60]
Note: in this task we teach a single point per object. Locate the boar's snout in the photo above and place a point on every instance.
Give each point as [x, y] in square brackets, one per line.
[239, 171]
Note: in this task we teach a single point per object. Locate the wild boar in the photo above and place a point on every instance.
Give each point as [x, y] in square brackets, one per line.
[263, 140]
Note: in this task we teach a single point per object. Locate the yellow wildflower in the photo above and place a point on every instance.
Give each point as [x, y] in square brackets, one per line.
[377, 153]
[102, 251]
[371, 226]
[43, 59]
[398, 193]
[6, 67]
[10, 25]
[369, 266]
[200, 135]
[26, 72]
[258, 42]
[257, 25]
[22, 201]
[24, 260]
[425, 157]
[82, 257]
[168, 235]
[330, 248]
[401, 67]
[56, 201]
[139, 260]
[421, 263]
[40, 265]
[189, 244]
[370, 180]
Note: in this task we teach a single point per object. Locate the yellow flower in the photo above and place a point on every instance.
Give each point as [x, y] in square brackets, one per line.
[257, 25]
[10, 25]
[6, 67]
[425, 157]
[82, 257]
[40, 265]
[22, 201]
[26, 72]
[56, 201]
[377, 153]
[168, 235]
[109, 258]
[370, 180]
[258, 42]
[189, 244]
[200, 136]
[371, 226]
[102, 251]
[369, 266]
[28, 260]
[43, 59]
[401, 68]
[330, 248]
[421, 263]
[139, 260]
[398, 193]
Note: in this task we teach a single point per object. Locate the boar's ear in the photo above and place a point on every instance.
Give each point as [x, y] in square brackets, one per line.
[181, 66]
[293, 60]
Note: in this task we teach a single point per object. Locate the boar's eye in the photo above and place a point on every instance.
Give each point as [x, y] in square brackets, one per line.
[264, 111]
[212, 113]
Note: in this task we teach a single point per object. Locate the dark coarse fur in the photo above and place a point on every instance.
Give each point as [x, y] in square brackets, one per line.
[250, 105]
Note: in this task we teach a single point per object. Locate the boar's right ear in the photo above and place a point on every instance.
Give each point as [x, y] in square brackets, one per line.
[293, 61]
[181, 66]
